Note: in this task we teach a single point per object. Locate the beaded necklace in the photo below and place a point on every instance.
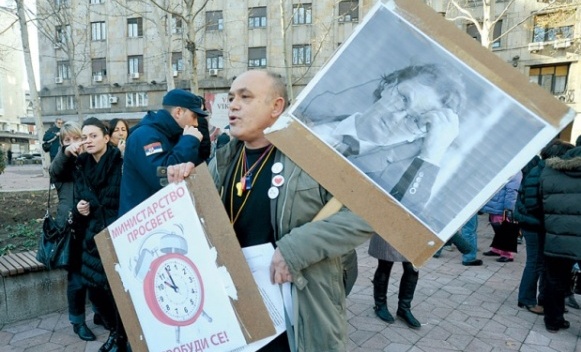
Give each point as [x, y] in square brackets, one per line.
[247, 179]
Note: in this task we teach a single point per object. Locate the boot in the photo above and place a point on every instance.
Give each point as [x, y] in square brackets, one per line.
[115, 343]
[380, 282]
[83, 331]
[407, 287]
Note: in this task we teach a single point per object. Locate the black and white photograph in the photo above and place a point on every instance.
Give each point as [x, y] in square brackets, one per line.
[430, 131]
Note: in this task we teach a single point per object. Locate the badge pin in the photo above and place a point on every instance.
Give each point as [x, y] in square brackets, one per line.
[277, 180]
[273, 192]
[276, 167]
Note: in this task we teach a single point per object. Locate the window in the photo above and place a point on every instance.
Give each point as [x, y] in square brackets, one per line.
[214, 21]
[98, 31]
[99, 67]
[214, 59]
[63, 33]
[92, 2]
[302, 14]
[136, 99]
[257, 17]
[177, 62]
[176, 25]
[301, 55]
[135, 64]
[554, 26]
[257, 57]
[65, 102]
[99, 101]
[348, 11]
[135, 27]
[62, 3]
[63, 69]
[473, 32]
[552, 78]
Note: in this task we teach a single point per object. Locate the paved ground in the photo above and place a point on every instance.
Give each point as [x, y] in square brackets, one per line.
[23, 177]
[461, 309]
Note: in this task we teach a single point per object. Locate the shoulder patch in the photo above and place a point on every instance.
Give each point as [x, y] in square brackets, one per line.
[153, 148]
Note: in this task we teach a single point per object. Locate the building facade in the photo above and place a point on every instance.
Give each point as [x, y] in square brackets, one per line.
[13, 105]
[113, 58]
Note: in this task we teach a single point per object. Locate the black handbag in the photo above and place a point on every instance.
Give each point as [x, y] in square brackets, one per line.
[55, 241]
[506, 233]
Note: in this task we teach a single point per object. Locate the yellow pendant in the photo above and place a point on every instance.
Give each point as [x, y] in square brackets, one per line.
[239, 189]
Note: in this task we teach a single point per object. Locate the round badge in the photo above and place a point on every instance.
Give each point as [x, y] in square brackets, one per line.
[272, 192]
[277, 180]
[276, 168]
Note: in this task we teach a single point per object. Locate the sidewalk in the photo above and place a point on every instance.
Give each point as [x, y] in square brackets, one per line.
[461, 308]
[23, 178]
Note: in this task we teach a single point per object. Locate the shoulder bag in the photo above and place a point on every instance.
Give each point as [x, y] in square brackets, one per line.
[55, 241]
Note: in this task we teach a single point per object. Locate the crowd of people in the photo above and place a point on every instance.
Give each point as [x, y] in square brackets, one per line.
[101, 170]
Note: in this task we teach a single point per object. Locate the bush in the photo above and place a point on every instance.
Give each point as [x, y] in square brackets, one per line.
[2, 160]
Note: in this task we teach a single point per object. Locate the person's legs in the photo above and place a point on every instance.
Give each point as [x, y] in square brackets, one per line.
[468, 232]
[527, 291]
[104, 305]
[558, 270]
[380, 283]
[407, 288]
[76, 296]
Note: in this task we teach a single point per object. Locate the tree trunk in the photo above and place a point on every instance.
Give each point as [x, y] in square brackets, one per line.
[34, 98]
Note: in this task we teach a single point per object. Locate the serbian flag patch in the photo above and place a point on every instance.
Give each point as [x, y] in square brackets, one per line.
[153, 148]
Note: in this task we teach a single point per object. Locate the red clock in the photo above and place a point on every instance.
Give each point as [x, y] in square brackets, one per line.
[174, 290]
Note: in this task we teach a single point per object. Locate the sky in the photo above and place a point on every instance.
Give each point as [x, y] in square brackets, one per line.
[33, 39]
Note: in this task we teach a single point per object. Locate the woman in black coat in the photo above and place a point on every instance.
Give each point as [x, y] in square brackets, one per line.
[97, 180]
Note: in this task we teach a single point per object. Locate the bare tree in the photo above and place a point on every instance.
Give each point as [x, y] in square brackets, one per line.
[34, 98]
[466, 10]
[188, 12]
[65, 24]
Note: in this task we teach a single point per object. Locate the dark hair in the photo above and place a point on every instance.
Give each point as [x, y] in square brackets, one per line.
[556, 147]
[93, 121]
[203, 106]
[114, 123]
[578, 141]
[446, 82]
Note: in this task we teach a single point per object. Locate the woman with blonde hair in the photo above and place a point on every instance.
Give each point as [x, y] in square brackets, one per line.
[62, 177]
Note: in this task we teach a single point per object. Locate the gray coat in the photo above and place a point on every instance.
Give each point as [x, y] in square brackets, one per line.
[312, 251]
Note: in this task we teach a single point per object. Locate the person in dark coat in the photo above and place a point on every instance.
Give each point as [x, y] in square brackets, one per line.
[61, 175]
[162, 138]
[561, 195]
[97, 180]
[51, 143]
[528, 212]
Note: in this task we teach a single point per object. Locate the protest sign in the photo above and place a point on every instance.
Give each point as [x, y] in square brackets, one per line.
[413, 125]
[178, 274]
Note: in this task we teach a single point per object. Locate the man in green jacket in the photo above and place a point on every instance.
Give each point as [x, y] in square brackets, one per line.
[270, 199]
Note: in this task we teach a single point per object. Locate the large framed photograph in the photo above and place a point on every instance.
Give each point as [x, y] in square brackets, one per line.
[430, 121]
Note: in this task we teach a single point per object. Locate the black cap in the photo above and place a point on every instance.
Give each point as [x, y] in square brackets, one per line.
[184, 99]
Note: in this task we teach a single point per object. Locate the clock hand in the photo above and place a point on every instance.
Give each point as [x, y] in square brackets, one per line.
[174, 287]
[171, 278]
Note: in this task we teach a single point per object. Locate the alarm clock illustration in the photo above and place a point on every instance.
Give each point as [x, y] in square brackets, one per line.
[172, 284]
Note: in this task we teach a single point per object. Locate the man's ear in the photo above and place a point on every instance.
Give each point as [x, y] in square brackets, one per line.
[278, 106]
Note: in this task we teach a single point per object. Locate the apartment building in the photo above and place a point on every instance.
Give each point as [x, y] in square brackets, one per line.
[13, 105]
[113, 58]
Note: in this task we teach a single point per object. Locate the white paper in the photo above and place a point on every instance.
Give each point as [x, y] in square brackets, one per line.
[259, 258]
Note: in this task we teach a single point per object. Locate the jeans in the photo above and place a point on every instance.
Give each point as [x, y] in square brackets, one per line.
[77, 297]
[533, 276]
[468, 232]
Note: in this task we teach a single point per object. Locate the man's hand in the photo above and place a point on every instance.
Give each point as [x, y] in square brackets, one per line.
[279, 273]
[177, 173]
[193, 131]
[75, 148]
[84, 207]
[443, 128]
